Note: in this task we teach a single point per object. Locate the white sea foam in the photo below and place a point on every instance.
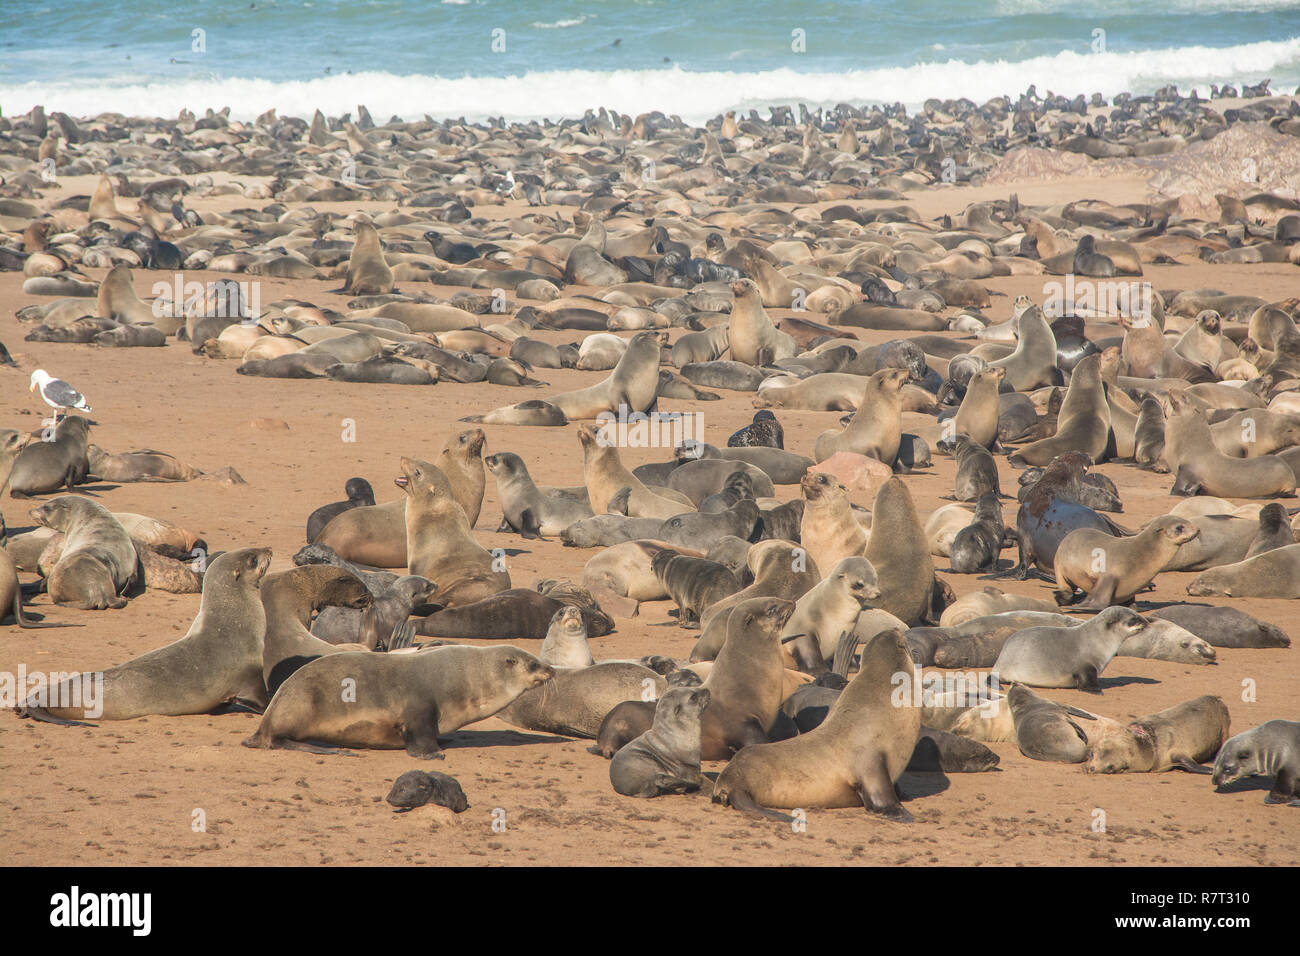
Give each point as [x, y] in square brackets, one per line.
[695, 96]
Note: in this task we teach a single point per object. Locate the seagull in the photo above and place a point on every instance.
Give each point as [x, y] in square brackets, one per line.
[57, 393]
[507, 186]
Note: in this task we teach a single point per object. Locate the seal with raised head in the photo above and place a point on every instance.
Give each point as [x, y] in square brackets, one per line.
[1270, 750]
[368, 272]
[853, 758]
[1083, 424]
[45, 466]
[634, 383]
[828, 611]
[524, 508]
[394, 701]
[1183, 736]
[217, 663]
[828, 530]
[1111, 570]
[666, 758]
[1067, 656]
[461, 460]
[899, 553]
[440, 545]
[876, 427]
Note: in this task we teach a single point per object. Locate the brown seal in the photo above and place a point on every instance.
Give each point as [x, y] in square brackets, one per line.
[876, 426]
[854, 757]
[1083, 424]
[828, 530]
[1183, 736]
[218, 662]
[394, 701]
[440, 545]
[899, 553]
[45, 466]
[98, 559]
[290, 598]
[1112, 570]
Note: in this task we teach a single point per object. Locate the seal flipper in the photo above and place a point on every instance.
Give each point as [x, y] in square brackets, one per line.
[1101, 596]
[420, 734]
[743, 802]
[1087, 680]
[24, 621]
[844, 651]
[876, 790]
[43, 715]
[1190, 765]
[285, 743]
[529, 526]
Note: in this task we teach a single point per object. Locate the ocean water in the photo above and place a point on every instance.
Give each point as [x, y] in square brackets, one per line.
[526, 59]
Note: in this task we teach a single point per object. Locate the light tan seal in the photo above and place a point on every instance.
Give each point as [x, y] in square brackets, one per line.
[217, 663]
[394, 701]
[853, 758]
[634, 383]
[461, 460]
[829, 530]
[752, 336]
[1183, 736]
[1111, 570]
[440, 545]
[605, 476]
[368, 272]
[901, 556]
[1083, 424]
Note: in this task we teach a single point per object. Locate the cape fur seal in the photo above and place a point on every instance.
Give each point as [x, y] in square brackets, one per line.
[1271, 750]
[394, 701]
[1067, 656]
[45, 466]
[98, 559]
[218, 662]
[666, 758]
[1111, 570]
[1183, 736]
[854, 757]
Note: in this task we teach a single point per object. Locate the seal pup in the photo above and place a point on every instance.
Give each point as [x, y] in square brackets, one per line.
[524, 507]
[415, 788]
[357, 492]
[1110, 570]
[977, 472]
[440, 545]
[1224, 626]
[1270, 750]
[977, 546]
[827, 611]
[764, 432]
[98, 562]
[565, 644]
[666, 758]
[1067, 656]
[394, 701]
[217, 663]
[694, 584]
[1044, 729]
[854, 757]
[1183, 737]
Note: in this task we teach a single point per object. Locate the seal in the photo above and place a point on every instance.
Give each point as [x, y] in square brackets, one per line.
[514, 614]
[45, 466]
[746, 681]
[358, 494]
[1083, 424]
[752, 336]
[1223, 626]
[1201, 468]
[290, 598]
[764, 432]
[899, 553]
[876, 426]
[694, 584]
[461, 460]
[368, 273]
[440, 545]
[605, 476]
[394, 701]
[1111, 570]
[1183, 737]
[1051, 509]
[828, 529]
[1273, 574]
[415, 788]
[1270, 750]
[1067, 656]
[98, 560]
[217, 663]
[977, 472]
[977, 417]
[828, 611]
[666, 758]
[381, 626]
[1033, 363]
[977, 546]
[1044, 730]
[11, 595]
[854, 757]
[577, 701]
[565, 644]
[373, 535]
[532, 412]
[524, 507]
[634, 383]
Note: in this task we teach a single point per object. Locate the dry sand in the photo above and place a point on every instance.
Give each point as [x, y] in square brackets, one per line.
[127, 792]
